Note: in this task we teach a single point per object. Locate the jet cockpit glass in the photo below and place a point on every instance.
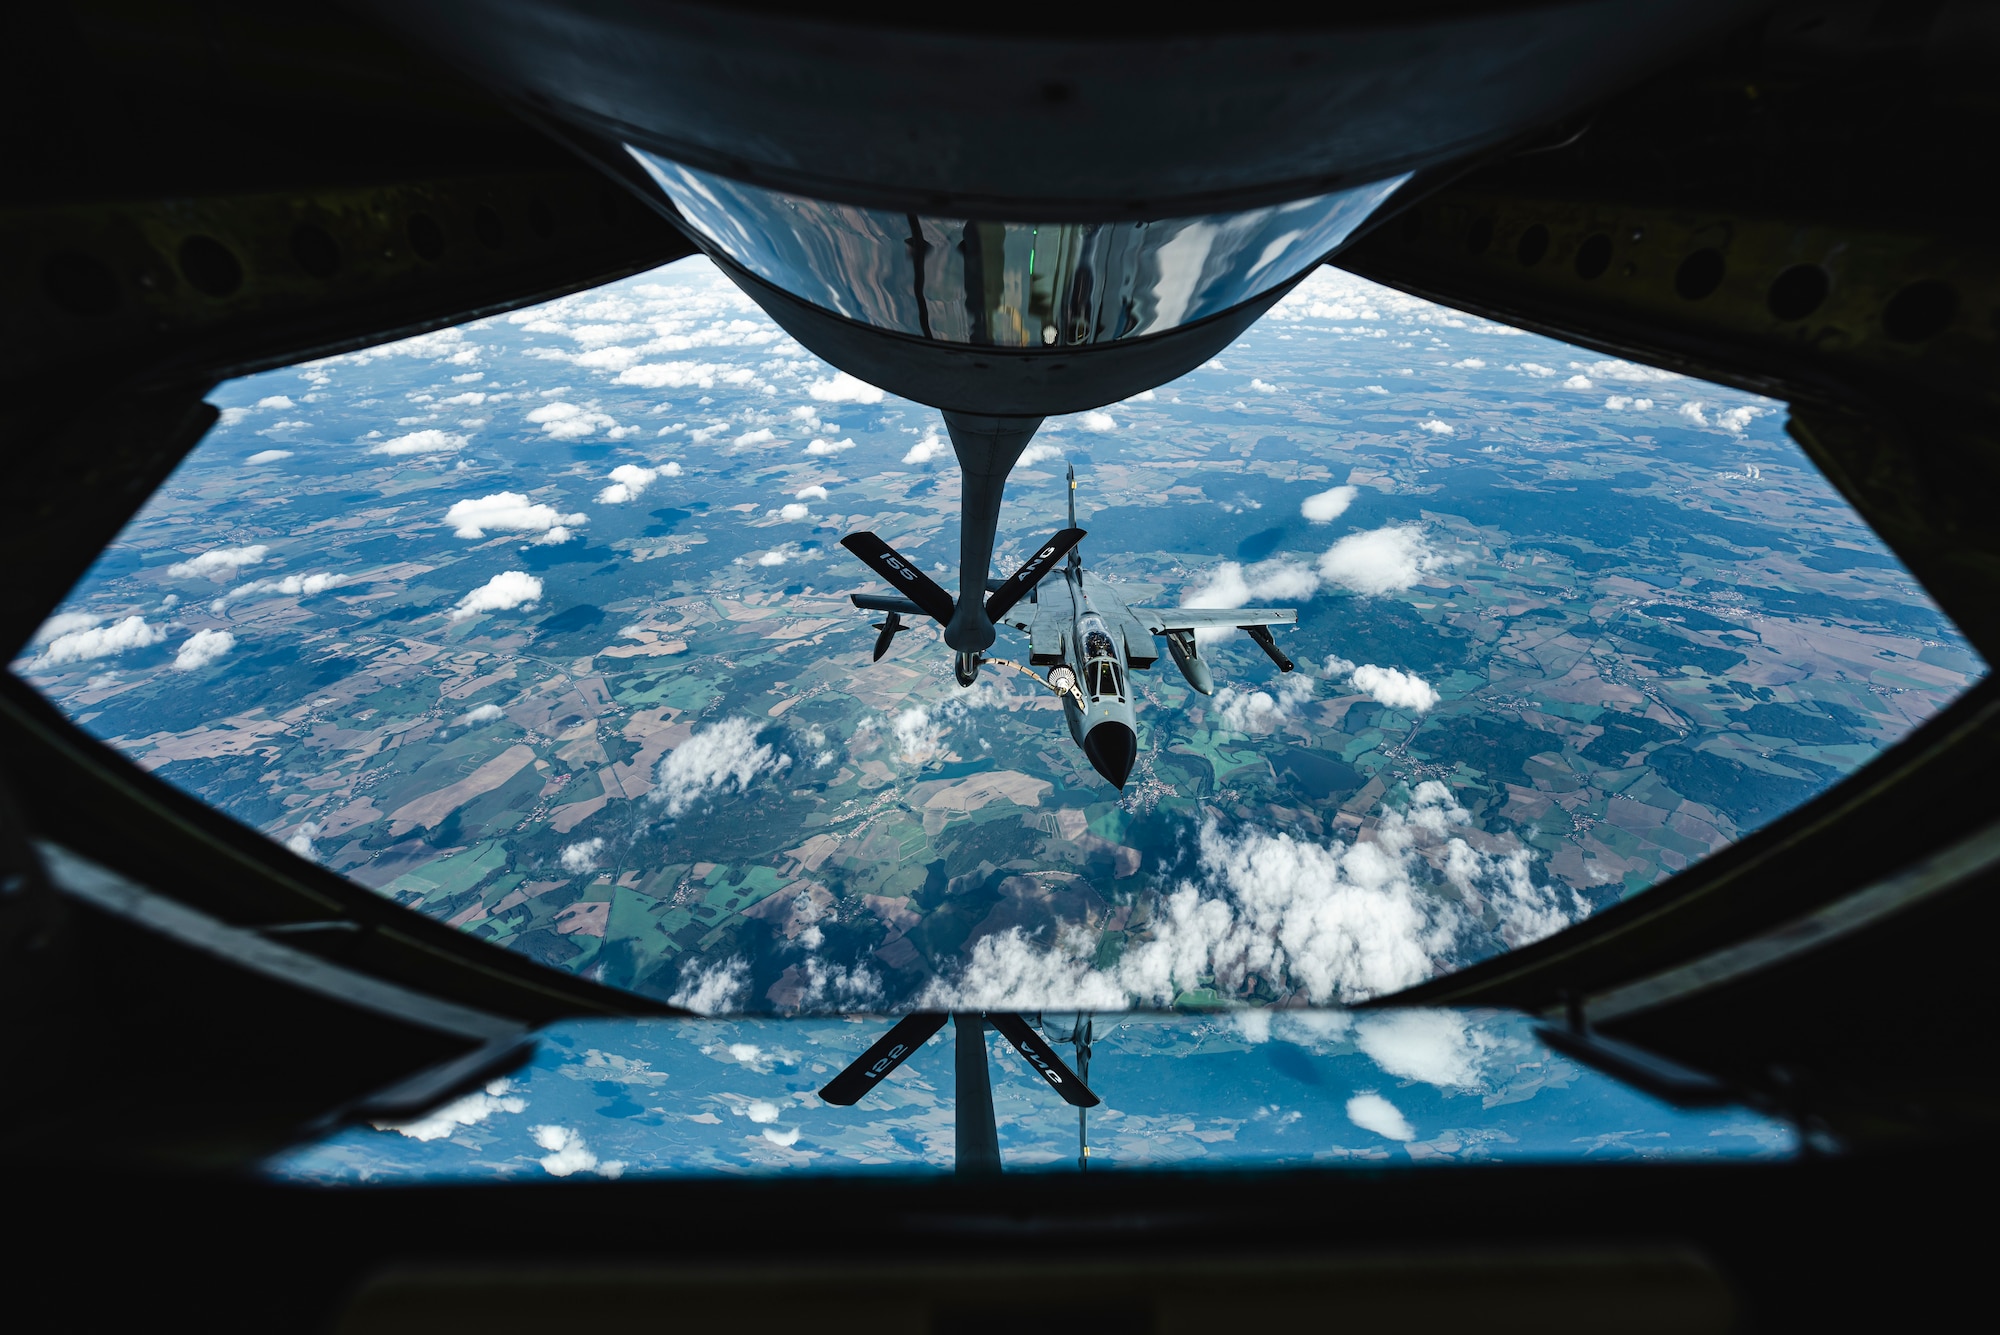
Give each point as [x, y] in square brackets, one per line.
[1011, 284]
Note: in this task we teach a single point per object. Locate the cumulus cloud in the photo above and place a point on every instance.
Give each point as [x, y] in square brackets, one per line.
[919, 735]
[1334, 922]
[712, 989]
[1577, 382]
[1264, 387]
[568, 1154]
[825, 447]
[581, 857]
[510, 512]
[428, 441]
[62, 623]
[812, 493]
[1395, 688]
[1436, 1047]
[1233, 584]
[279, 401]
[1692, 411]
[566, 421]
[1435, 427]
[1039, 452]
[1099, 422]
[1323, 507]
[794, 512]
[1380, 560]
[202, 648]
[298, 586]
[1733, 420]
[1618, 403]
[219, 563]
[268, 456]
[929, 448]
[1259, 711]
[301, 840]
[481, 714]
[1372, 1112]
[760, 436]
[1538, 371]
[471, 1110]
[628, 481]
[844, 388]
[506, 590]
[78, 646]
[718, 758]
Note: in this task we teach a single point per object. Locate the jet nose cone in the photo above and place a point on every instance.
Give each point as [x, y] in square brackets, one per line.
[1112, 747]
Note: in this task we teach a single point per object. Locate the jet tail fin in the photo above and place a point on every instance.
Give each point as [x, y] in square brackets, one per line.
[1031, 573]
[902, 575]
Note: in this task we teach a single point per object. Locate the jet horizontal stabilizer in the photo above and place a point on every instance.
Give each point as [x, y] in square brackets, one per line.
[902, 574]
[888, 1052]
[1032, 572]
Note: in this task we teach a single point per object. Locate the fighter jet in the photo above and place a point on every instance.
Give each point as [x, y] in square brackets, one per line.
[1080, 630]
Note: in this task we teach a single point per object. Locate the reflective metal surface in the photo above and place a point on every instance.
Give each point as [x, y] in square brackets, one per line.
[1015, 285]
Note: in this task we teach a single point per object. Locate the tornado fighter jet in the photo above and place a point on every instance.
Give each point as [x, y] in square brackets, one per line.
[1079, 629]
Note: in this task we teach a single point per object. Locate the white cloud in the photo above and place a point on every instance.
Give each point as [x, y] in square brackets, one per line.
[507, 512]
[428, 441]
[1323, 507]
[1258, 711]
[1039, 452]
[303, 586]
[77, 646]
[1538, 371]
[471, 1110]
[566, 421]
[1471, 364]
[1733, 420]
[62, 623]
[824, 447]
[268, 456]
[276, 401]
[1618, 403]
[712, 989]
[1436, 1047]
[202, 648]
[1264, 387]
[844, 388]
[1338, 922]
[472, 398]
[782, 1139]
[761, 1111]
[1372, 1112]
[1577, 382]
[812, 493]
[1380, 560]
[219, 563]
[794, 512]
[568, 1154]
[1099, 422]
[627, 482]
[1373, 389]
[929, 448]
[301, 841]
[760, 436]
[1143, 396]
[506, 590]
[919, 736]
[1395, 688]
[481, 714]
[717, 758]
[1692, 411]
[1435, 427]
[581, 857]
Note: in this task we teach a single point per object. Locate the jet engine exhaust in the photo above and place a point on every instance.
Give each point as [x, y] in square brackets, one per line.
[1112, 747]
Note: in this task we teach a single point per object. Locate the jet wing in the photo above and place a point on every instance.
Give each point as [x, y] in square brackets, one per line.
[884, 602]
[1160, 620]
